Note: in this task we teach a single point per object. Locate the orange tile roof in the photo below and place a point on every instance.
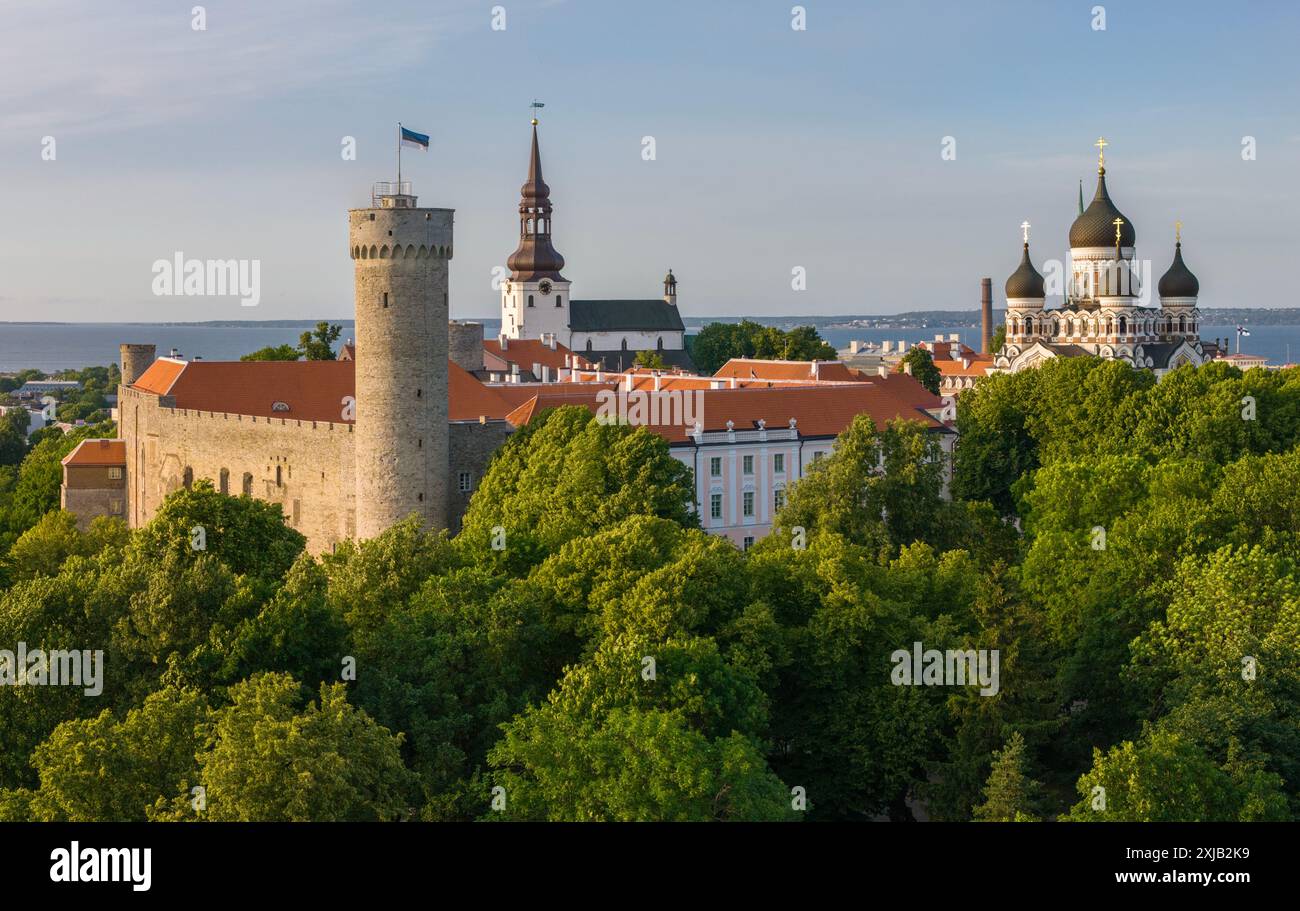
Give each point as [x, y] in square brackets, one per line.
[819, 411]
[312, 390]
[978, 366]
[159, 377]
[527, 351]
[753, 368]
[468, 399]
[97, 452]
[516, 394]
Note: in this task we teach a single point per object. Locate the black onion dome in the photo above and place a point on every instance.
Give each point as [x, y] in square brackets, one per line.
[1096, 226]
[1179, 280]
[1025, 281]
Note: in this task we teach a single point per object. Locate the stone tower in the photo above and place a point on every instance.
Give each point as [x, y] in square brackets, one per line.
[466, 344]
[400, 253]
[136, 359]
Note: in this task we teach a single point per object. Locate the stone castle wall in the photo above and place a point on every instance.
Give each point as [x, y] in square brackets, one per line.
[472, 446]
[312, 460]
[465, 344]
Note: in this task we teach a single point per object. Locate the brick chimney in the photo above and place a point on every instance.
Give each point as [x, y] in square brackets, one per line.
[986, 315]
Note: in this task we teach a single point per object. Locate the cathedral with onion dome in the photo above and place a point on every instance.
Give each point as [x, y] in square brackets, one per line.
[1106, 310]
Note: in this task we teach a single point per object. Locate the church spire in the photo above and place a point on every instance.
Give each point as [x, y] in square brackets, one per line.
[535, 258]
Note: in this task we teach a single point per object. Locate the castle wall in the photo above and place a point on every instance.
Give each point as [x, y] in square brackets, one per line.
[472, 446]
[465, 345]
[305, 466]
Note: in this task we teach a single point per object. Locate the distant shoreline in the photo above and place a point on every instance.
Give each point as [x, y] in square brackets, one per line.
[914, 319]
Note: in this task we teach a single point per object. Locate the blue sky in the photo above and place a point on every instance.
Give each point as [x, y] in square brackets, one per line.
[775, 148]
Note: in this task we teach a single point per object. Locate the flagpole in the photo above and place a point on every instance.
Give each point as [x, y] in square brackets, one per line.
[399, 156]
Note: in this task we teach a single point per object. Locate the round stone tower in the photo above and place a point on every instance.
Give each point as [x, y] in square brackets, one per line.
[136, 359]
[466, 344]
[400, 254]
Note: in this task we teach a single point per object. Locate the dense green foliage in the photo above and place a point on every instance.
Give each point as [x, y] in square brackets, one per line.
[717, 343]
[582, 650]
[920, 363]
[273, 353]
[314, 345]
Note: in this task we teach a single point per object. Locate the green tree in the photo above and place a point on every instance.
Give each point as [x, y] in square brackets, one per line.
[1010, 795]
[922, 367]
[717, 343]
[612, 744]
[999, 338]
[267, 759]
[318, 344]
[104, 770]
[566, 475]
[1165, 778]
[878, 488]
[651, 360]
[42, 549]
[274, 353]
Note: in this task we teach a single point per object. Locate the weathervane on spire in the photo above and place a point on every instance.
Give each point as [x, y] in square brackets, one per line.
[1024, 226]
[536, 106]
[1101, 144]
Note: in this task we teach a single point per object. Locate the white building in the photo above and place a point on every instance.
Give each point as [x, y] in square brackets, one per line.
[536, 303]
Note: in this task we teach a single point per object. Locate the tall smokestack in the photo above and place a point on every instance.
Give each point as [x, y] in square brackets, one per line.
[986, 315]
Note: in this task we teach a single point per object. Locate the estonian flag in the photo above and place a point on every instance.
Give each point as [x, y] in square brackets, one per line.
[410, 137]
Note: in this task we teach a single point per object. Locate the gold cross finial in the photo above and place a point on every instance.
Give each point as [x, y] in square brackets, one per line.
[1118, 223]
[1178, 232]
[1101, 144]
[1024, 226]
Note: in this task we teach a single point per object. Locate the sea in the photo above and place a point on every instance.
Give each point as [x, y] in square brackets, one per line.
[59, 346]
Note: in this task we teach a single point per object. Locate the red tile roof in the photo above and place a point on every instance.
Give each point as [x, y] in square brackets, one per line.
[97, 452]
[753, 368]
[819, 411]
[516, 394]
[979, 365]
[525, 352]
[311, 390]
[159, 377]
[469, 400]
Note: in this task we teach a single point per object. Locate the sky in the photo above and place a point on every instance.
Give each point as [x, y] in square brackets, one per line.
[775, 148]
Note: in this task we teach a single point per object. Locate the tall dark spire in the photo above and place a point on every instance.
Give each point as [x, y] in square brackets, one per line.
[535, 258]
[535, 187]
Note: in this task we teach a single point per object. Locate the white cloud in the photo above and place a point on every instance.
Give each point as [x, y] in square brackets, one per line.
[77, 66]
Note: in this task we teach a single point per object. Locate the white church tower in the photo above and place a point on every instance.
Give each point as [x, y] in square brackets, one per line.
[535, 299]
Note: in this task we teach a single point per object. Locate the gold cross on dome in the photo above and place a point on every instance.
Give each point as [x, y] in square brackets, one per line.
[1101, 144]
[1118, 223]
[1178, 232]
[1024, 226]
